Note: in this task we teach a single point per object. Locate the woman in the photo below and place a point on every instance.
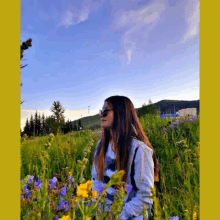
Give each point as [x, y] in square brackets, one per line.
[124, 146]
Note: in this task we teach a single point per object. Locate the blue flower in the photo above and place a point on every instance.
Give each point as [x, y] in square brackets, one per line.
[69, 178]
[28, 213]
[174, 123]
[25, 187]
[30, 179]
[75, 205]
[28, 194]
[63, 191]
[40, 186]
[22, 180]
[53, 181]
[66, 207]
[38, 181]
[34, 199]
[191, 119]
[174, 218]
[61, 205]
[56, 218]
[22, 196]
[128, 188]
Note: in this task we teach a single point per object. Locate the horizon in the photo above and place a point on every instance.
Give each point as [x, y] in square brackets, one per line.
[80, 113]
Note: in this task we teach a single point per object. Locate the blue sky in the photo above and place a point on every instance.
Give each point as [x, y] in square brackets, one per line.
[85, 51]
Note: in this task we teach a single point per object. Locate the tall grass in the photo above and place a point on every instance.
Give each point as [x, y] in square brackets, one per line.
[176, 147]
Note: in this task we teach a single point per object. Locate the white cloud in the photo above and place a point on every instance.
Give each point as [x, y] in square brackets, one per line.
[135, 25]
[192, 9]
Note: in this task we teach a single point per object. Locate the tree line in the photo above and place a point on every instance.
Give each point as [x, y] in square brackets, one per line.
[39, 125]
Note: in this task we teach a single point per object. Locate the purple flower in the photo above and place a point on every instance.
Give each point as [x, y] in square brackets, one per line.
[191, 119]
[174, 123]
[28, 213]
[63, 191]
[25, 187]
[30, 179]
[38, 181]
[60, 205]
[66, 207]
[174, 218]
[22, 196]
[69, 178]
[56, 218]
[53, 181]
[22, 180]
[28, 194]
[128, 188]
[34, 199]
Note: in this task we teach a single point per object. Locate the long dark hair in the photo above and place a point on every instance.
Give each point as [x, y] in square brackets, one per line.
[125, 126]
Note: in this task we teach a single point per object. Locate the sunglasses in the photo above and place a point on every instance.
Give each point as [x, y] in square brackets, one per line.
[104, 112]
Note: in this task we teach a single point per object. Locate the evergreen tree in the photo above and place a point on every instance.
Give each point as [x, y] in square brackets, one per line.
[79, 125]
[25, 45]
[27, 128]
[58, 115]
[36, 124]
[44, 129]
[39, 125]
[32, 126]
[74, 126]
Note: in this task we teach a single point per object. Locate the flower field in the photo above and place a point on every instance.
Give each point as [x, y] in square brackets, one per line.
[56, 173]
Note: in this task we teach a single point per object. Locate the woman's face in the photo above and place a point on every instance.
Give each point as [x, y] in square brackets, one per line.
[107, 122]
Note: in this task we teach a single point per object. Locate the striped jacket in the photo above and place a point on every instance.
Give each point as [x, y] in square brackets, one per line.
[141, 180]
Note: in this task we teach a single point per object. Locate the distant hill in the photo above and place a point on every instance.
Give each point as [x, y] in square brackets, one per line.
[169, 106]
[165, 106]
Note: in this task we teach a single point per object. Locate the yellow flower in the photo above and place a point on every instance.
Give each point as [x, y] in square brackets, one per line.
[94, 194]
[194, 216]
[70, 173]
[187, 211]
[82, 193]
[65, 217]
[87, 218]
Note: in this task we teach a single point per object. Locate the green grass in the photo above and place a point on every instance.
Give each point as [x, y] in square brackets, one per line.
[179, 177]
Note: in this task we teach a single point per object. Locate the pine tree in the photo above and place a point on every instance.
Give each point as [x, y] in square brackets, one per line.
[27, 128]
[79, 125]
[36, 124]
[39, 125]
[32, 126]
[44, 129]
[58, 115]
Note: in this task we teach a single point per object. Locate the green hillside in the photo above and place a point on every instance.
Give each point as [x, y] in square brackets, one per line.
[165, 106]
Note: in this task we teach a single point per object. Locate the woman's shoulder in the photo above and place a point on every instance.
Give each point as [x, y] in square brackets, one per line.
[140, 144]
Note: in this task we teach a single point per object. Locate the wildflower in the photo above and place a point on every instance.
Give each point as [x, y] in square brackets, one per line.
[28, 213]
[34, 199]
[82, 193]
[66, 207]
[22, 196]
[194, 216]
[69, 178]
[60, 206]
[22, 180]
[56, 218]
[28, 194]
[30, 179]
[89, 185]
[53, 181]
[65, 217]
[174, 123]
[63, 191]
[94, 194]
[25, 187]
[174, 218]
[128, 188]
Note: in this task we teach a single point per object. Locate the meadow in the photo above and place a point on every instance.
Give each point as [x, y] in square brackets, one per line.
[56, 172]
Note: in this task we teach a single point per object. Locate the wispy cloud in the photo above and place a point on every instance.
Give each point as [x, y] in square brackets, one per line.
[76, 13]
[135, 25]
[192, 9]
